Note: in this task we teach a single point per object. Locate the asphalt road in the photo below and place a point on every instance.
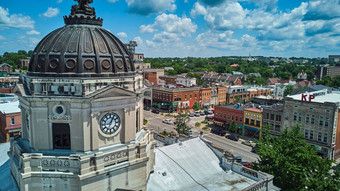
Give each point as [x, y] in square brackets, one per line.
[238, 149]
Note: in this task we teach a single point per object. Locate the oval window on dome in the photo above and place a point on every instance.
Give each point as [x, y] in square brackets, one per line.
[89, 64]
[54, 63]
[106, 64]
[120, 64]
[70, 64]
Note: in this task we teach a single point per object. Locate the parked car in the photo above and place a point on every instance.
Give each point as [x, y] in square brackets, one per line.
[218, 131]
[167, 121]
[197, 114]
[209, 118]
[210, 112]
[192, 114]
[189, 132]
[155, 111]
[202, 113]
[206, 112]
[239, 159]
[232, 137]
[249, 143]
[146, 108]
[246, 164]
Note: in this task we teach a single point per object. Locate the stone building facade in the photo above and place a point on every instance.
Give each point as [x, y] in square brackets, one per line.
[318, 115]
[82, 113]
[273, 116]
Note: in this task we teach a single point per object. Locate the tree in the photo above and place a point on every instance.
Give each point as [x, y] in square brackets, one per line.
[294, 164]
[288, 90]
[233, 127]
[181, 122]
[196, 106]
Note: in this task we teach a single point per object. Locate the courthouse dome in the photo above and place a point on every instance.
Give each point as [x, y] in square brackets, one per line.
[82, 48]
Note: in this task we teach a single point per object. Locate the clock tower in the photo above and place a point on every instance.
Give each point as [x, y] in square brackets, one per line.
[82, 112]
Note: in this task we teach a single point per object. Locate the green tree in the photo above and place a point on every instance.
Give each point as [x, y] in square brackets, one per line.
[181, 122]
[288, 90]
[294, 164]
[233, 127]
[196, 106]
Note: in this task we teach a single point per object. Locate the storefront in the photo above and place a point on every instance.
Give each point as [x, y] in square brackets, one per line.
[251, 132]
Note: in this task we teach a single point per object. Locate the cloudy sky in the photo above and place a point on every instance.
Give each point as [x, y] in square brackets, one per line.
[181, 28]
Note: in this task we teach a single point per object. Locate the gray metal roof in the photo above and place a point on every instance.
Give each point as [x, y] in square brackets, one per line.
[192, 165]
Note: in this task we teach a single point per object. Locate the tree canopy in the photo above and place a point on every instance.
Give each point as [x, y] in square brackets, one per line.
[181, 122]
[294, 164]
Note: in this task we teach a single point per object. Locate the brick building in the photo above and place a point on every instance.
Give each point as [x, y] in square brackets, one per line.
[10, 120]
[272, 116]
[152, 75]
[331, 71]
[6, 68]
[242, 94]
[176, 99]
[224, 79]
[205, 97]
[168, 79]
[25, 62]
[228, 113]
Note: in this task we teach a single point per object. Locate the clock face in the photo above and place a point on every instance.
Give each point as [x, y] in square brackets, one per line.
[109, 123]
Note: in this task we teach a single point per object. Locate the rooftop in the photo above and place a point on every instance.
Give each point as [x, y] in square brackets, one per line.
[320, 96]
[241, 106]
[176, 89]
[192, 165]
[10, 107]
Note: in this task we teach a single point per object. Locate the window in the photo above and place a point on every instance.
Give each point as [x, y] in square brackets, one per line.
[267, 116]
[325, 137]
[232, 118]
[252, 122]
[204, 100]
[287, 115]
[327, 122]
[278, 117]
[236, 118]
[217, 114]
[195, 96]
[186, 96]
[224, 116]
[312, 120]
[190, 96]
[319, 136]
[311, 135]
[258, 124]
[306, 134]
[307, 118]
[247, 121]
[295, 116]
[271, 116]
[321, 121]
[12, 121]
[221, 115]
[277, 127]
[241, 119]
[300, 117]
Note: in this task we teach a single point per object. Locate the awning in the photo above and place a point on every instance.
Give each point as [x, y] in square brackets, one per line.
[251, 128]
[13, 127]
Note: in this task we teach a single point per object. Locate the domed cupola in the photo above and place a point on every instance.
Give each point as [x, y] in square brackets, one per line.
[82, 48]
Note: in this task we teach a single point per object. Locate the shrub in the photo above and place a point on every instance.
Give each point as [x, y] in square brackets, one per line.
[206, 128]
[145, 122]
[205, 122]
[197, 124]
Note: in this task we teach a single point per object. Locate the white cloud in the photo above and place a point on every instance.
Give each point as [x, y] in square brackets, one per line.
[51, 12]
[59, 1]
[33, 32]
[227, 16]
[214, 40]
[323, 10]
[171, 24]
[112, 1]
[2, 38]
[122, 35]
[266, 5]
[15, 20]
[138, 40]
[147, 7]
[146, 29]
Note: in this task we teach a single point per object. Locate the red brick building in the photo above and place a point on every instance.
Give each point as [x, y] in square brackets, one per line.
[221, 95]
[175, 99]
[10, 120]
[228, 113]
[168, 79]
[205, 97]
[242, 94]
[152, 75]
[6, 68]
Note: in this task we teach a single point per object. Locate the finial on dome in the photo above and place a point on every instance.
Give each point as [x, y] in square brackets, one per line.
[83, 13]
[83, 7]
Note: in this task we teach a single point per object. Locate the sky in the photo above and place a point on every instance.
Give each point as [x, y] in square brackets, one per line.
[182, 28]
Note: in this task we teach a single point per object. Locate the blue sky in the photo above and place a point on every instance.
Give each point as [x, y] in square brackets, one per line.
[181, 28]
